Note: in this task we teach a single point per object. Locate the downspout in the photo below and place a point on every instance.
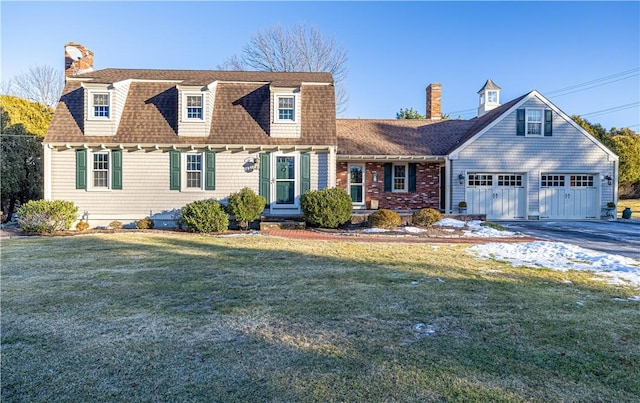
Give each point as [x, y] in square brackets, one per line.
[447, 190]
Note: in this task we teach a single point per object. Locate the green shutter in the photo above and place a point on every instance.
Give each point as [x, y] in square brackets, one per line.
[210, 170]
[548, 126]
[116, 169]
[81, 169]
[265, 176]
[174, 170]
[412, 177]
[388, 172]
[520, 122]
[305, 173]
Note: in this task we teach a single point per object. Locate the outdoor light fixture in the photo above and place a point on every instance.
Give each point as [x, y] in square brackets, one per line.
[461, 178]
[374, 176]
[609, 179]
[256, 164]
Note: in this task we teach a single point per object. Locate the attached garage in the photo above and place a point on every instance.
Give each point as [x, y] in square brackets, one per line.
[499, 196]
[569, 196]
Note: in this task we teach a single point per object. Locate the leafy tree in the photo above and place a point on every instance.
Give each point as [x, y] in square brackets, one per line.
[297, 48]
[23, 126]
[41, 84]
[409, 113]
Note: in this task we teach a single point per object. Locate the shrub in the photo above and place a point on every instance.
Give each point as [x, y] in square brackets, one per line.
[205, 216]
[425, 217]
[46, 216]
[82, 225]
[115, 225]
[611, 205]
[145, 223]
[326, 208]
[462, 204]
[384, 219]
[246, 206]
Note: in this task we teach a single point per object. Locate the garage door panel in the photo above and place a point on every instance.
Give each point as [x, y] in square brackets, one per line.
[498, 196]
[570, 196]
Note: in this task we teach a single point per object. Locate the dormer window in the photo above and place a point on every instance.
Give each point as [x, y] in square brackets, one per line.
[286, 108]
[101, 104]
[193, 107]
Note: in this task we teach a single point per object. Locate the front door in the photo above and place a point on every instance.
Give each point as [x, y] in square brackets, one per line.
[356, 184]
[284, 182]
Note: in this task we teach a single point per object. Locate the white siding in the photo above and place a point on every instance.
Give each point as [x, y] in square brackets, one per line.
[196, 128]
[106, 127]
[500, 150]
[145, 184]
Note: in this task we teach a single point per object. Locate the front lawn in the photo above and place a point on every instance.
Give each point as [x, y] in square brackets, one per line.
[180, 317]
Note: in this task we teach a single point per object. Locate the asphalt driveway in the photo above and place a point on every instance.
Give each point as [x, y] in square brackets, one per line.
[621, 237]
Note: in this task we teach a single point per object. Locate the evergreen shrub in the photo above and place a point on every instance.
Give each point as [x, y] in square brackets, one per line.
[326, 208]
[205, 216]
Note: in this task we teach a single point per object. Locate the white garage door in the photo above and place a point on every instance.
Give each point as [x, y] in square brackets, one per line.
[568, 196]
[498, 196]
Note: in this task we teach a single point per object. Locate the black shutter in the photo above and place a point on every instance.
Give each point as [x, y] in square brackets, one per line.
[520, 122]
[388, 169]
[548, 126]
[412, 177]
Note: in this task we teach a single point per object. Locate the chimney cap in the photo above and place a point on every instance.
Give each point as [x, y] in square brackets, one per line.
[489, 85]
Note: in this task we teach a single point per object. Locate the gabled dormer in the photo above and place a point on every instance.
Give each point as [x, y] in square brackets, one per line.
[488, 97]
[103, 107]
[285, 112]
[195, 109]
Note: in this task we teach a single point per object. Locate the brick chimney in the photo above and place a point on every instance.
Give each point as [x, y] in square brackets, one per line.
[77, 59]
[434, 98]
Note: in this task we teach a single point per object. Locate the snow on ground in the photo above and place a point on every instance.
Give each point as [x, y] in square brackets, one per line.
[561, 256]
[474, 229]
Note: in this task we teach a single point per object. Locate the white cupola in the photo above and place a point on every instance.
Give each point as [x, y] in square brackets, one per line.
[488, 97]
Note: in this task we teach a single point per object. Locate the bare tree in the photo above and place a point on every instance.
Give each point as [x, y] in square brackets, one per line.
[299, 48]
[41, 84]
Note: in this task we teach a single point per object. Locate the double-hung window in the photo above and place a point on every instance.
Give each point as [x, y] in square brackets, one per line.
[100, 170]
[286, 108]
[534, 122]
[399, 178]
[101, 105]
[193, 107]
[194, 171]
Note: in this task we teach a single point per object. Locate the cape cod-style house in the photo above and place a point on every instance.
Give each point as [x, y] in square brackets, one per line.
[125, 144]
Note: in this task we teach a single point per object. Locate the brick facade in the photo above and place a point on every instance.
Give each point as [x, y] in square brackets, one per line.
[427, 192]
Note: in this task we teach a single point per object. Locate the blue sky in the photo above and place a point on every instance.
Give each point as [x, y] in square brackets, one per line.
[588, 50]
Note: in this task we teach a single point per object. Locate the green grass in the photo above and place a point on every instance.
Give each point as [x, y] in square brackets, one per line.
[174, 317]
[633, 204]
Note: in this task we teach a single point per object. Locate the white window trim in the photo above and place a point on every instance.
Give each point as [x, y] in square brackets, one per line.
[364, 179]
[186, 94]
[406, 178]
[90, 105]
[276, 109]
[526, 122]
[90, 182]
[183, 172]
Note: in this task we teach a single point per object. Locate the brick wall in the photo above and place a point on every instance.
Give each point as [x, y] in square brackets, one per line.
[427, 192]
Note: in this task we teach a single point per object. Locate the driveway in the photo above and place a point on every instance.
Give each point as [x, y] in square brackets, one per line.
[621, 237]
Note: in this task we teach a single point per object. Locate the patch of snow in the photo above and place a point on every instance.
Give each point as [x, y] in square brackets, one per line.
[423, 330]
[413, 230]
[635, 298]
[563, 257]
[414, 283]
[372, 230]
[475, 229]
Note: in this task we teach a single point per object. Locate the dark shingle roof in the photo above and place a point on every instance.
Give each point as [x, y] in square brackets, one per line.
[489, 85]
[241, 108]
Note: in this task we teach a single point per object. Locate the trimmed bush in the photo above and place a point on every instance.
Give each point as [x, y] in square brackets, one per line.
[115, 225]
[82, 225]
[246, 206]
[145, 223]
[426, 217]
[46, 216]
[205, 216]
[384, 219]
[326, 208]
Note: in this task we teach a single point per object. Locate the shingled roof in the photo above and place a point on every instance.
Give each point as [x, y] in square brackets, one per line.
[241, 108]
[410, 137]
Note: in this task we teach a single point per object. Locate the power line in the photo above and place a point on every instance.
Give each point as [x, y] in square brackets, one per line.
[635, 70]
[611, 110]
